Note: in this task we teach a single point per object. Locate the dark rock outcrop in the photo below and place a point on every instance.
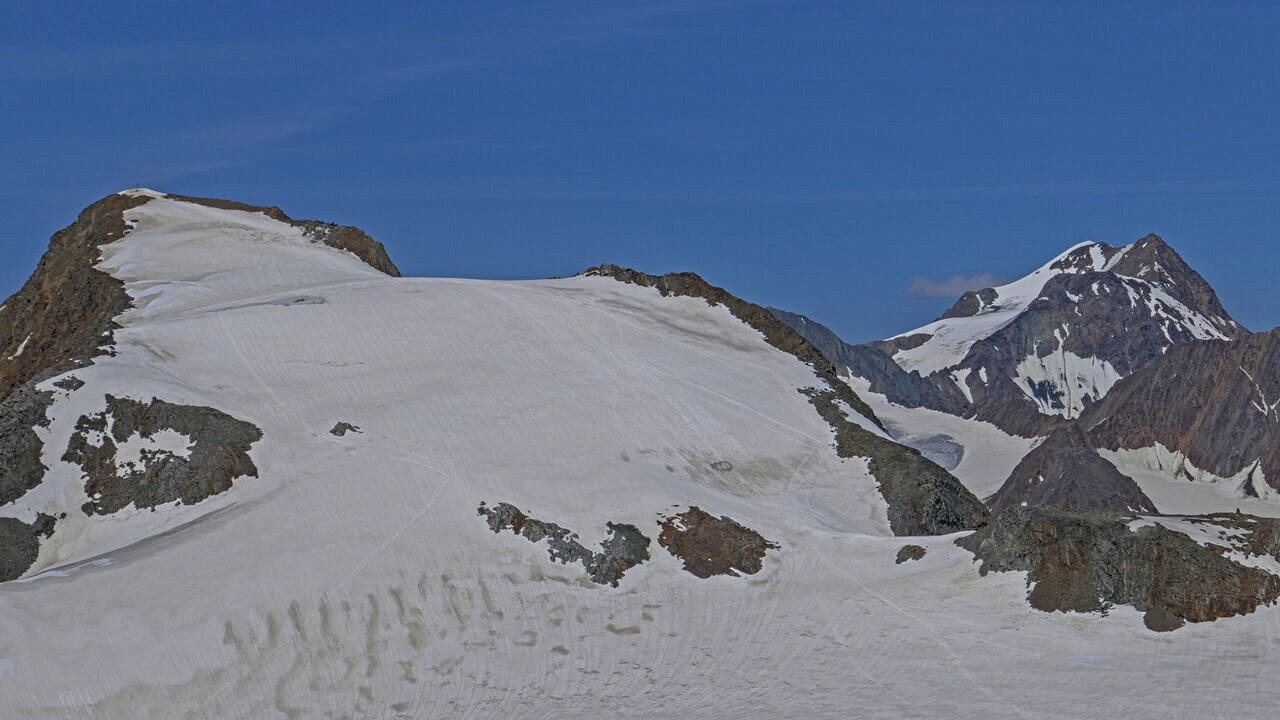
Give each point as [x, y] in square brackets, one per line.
[217, 455]
[20, 446]
[343, 428]
[65, 312]
[353, 240]
[70, 383]
[623, 549]
[909, 552]
[1089, 561]
[711, 545]
[923, 498]
[971, 303]
[1066, 471]
[20, 545]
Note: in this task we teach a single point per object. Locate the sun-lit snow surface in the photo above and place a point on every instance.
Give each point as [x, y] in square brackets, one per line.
[1082, 380]
[952, 337]
[354, 579]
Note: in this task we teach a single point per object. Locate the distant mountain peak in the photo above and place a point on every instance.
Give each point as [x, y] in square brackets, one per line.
[1027, 354]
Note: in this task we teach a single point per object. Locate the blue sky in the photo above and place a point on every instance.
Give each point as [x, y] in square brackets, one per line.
[846, 160]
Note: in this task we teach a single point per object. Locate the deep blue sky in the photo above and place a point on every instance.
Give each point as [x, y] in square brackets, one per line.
[820, 157]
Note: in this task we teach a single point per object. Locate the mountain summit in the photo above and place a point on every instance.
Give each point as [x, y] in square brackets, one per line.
[1029, 354]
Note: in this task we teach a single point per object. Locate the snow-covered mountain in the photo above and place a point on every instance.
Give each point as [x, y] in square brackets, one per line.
[247, 472]
[1027, 355]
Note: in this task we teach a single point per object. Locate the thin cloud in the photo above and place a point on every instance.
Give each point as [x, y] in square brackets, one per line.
[954, 286]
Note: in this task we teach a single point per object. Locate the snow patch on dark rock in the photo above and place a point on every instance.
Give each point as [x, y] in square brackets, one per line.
[129, 457]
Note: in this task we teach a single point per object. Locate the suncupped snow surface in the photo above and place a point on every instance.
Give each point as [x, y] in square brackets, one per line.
[352, 577]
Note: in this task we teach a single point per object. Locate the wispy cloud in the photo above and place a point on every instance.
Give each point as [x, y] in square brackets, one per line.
[954, 286]
[320, 81]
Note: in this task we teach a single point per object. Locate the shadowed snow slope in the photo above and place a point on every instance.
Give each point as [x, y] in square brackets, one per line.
[350, 575]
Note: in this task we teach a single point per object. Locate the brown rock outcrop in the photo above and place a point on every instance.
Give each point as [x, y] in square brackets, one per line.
[1089, 561]
[711, 545]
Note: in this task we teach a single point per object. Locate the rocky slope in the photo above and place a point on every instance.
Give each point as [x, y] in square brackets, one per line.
[1031, 354]
[1217, 404]
[1205, 412]
[66, 311]
[1065, 471]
